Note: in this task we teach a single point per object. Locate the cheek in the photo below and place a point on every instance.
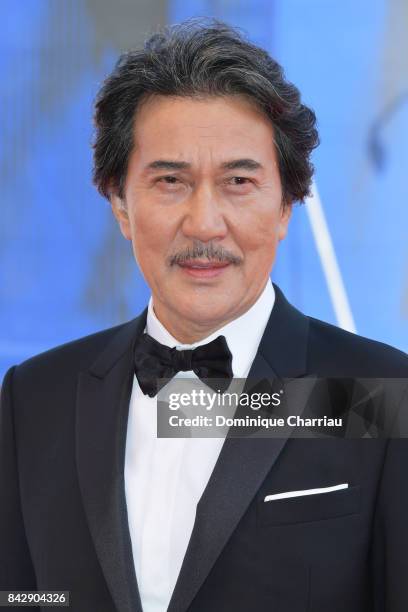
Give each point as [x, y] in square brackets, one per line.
[146, 227]
[152, 235]
[258, 230]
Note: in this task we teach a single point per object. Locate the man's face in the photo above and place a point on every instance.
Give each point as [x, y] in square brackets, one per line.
[203, 208]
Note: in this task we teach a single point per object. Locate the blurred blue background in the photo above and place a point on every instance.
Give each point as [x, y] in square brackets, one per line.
[65, 269]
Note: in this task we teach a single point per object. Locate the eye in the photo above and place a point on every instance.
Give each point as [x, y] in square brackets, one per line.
[240, 180]
[240, 185]
[170, 180]
[168, 183]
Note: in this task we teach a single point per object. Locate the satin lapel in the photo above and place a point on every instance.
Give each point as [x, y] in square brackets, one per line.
[102, 411]
[243, 463]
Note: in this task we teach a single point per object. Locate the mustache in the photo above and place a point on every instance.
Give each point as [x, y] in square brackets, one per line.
[209, 250]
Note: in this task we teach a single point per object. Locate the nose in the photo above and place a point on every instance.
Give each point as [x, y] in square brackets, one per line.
[204, 219]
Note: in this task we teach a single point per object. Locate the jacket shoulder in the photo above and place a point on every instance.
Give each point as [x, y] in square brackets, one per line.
[334, 351]
[69, 358]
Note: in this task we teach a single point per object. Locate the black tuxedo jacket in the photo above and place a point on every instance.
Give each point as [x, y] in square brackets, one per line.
[63, 518]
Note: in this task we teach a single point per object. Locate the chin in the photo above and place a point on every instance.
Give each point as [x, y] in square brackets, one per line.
[204, 313]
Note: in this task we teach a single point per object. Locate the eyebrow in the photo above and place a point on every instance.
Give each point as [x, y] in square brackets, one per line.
[167, 164]
[242, 164]
[234, 164]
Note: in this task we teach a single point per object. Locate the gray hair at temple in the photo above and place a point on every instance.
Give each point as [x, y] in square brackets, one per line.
[200, 58]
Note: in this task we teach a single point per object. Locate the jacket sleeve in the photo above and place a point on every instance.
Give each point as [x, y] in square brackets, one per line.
[390, 542]
[16, 569]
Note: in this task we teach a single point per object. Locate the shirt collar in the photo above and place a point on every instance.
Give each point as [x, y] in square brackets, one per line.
[243, 334]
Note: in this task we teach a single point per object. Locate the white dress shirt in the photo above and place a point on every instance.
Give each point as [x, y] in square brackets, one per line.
[165, 477]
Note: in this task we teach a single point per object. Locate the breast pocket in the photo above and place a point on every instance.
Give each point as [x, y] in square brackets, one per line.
[309, 508]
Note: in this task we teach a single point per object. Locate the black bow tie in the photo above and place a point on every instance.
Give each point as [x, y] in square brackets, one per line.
[209, 361]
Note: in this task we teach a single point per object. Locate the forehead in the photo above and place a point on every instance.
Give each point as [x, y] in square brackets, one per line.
[219, 128]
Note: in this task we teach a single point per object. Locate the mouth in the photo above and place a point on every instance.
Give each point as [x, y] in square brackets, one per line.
[203, 269]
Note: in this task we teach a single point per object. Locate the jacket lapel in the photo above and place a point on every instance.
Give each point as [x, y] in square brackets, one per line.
[102, 412]
[281, 354]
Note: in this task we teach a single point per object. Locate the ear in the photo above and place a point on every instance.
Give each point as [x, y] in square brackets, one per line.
[286, 212]
[120, 211]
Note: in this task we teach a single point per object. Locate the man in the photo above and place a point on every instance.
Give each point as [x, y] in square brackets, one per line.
[202, 147]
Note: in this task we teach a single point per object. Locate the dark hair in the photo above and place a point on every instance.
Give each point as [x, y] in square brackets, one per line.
[195, 58]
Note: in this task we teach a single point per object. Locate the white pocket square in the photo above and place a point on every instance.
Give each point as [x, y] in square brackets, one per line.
[305, 492]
